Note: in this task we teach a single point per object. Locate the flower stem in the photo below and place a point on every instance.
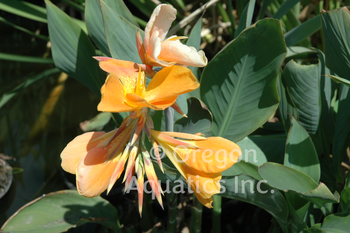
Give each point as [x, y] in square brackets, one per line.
[216, 226]
[172, 205]
[172, 197]
[169, 119]
[196, 216]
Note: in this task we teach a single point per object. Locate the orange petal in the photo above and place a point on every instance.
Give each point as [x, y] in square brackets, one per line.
[204, 186]
[169, 83]
[113, 97]
[93, 172]
[77, 148]
[175, 51]
[111, 65]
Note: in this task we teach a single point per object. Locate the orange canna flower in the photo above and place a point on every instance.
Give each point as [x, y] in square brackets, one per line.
[199, 160]
[125, 90]
[158, 51]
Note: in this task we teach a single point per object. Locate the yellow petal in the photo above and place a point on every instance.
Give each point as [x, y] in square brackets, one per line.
[174, 51]
[169, 83]
[113, 97]
[77, 148]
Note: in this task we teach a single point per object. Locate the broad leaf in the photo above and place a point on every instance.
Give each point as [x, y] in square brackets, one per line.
[286, 107]
[59, 211]
[247, 189]
[303, 86]
[239, 84]
[120, 34]
[94, 24]
[336, 34]
[286, 178]
[335, 223]
[301, 153]
[72, 50]
[342, 130]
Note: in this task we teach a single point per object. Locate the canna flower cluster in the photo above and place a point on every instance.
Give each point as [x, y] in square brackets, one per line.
[98, 158]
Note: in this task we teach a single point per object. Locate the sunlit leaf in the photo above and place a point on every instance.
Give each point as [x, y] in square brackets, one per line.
[239, 84]
[59, 211]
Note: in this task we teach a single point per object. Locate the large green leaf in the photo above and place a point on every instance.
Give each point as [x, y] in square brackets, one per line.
[199, 119]
[345, 200]
[301, 153]
[336, 33]
[289, 179]
[59, 211]
[335, 223]
[286, 107]
[120, 34]
[342, 130]
[247, 189]
[303, 86]
[94, 24]
[260, 149]
[239, 84]
[72, 50]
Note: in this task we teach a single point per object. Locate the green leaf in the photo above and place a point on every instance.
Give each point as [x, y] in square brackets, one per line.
[194, 40]
[295, 52]
[121, 9]
[286, 178]
[260, 149]
[243, 168]
[303, 86]
[20, 58]
[247, 189]
[72, 50]
[246, 17]
[239, 84]
[120, 34]
[335, 223]
[199, 118]
[98, 122]
[10, 94]
[24, 9]
[59, 211]
[301, 153]
[94, 24]
[345, 200]
[285, 8]
[339, 80]
[342, 130]
[303, 31]
[336, 34]
[42, 37]
[286, 107]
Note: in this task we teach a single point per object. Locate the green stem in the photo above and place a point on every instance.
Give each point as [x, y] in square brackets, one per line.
[172, 197]
[196, 216]
[216, 214]
[172, 205]
[225, 16]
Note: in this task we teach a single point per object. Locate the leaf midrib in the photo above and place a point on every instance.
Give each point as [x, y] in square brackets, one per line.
[233, 101]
